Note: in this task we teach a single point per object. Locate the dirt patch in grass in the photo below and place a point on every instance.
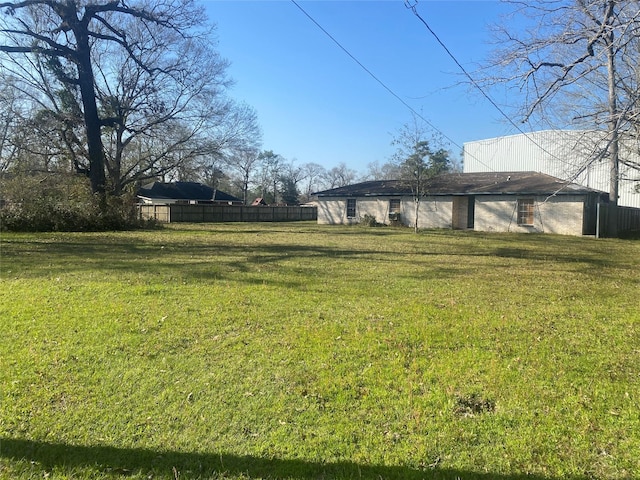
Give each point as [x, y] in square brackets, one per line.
[473, 404]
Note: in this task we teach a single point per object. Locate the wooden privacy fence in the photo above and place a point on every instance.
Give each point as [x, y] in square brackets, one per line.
[628, 219]
[225, 213]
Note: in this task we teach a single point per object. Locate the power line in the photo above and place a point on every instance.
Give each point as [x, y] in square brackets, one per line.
[385, 86]
[414, 8]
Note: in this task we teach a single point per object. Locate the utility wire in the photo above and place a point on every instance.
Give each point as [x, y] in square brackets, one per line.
[414, 8]
[387, 88]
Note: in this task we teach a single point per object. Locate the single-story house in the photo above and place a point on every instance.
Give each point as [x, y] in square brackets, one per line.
[495, 201]
[186, 193]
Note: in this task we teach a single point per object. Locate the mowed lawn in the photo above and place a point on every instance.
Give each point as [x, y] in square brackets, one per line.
[286, 351]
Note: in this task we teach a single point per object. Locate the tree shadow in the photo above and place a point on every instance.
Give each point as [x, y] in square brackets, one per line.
[215, 260]
[124, 462]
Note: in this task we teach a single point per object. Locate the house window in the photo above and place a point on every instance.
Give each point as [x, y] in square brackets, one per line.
[351, 208]
[394, 210]
[525, 211]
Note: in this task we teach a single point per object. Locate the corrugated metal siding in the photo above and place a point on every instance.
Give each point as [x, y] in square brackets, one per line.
[565, 154]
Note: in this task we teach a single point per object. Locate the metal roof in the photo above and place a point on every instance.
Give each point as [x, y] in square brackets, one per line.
[572, 155]
[483, 183]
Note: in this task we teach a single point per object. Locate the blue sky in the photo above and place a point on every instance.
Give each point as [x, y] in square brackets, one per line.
[316, 104]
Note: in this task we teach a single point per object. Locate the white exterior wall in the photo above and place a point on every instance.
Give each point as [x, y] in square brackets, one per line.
[563, 154]
[493, 213]
[433, 213]
[377, 207]
[333, 211]
[562, 215]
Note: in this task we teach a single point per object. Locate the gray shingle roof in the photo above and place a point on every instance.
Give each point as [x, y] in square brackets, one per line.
[486, 183]
[184, 191]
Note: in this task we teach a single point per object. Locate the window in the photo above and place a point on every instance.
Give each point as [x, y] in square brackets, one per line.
[351, 208]
[394, 210]
[525, 211]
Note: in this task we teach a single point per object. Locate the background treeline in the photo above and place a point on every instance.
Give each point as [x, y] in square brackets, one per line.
[100, 98]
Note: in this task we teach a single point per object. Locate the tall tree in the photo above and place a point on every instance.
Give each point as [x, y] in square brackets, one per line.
[270, 175]
[313, 173]
[417, 163]
[167, 112]
[244, 164]
[47, 130]
[9, 112]
[576, 64]
[340, 176]
[290, 194]
[68, 34]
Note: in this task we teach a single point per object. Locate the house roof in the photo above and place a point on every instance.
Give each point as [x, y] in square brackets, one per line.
[486, 183]
[258, 201]
[184, 191]
[220, 196]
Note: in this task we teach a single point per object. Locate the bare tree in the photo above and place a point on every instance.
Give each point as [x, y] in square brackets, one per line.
[46, 123]
[68, 34]
[173, 95]
[313, 174]
[340, 176]
[576, 65]
[271, 163]
[9, 114]
[385, 171]
[244, 164]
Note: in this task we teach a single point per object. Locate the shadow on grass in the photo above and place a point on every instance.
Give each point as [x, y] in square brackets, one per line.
[99, 252]
[215, 259]
[123, 462]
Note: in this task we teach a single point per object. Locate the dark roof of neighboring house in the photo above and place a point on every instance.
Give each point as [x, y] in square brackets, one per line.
[486, 183]
[184, 191]
[220, 196]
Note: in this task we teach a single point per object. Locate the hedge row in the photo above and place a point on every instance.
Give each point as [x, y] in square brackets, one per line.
[54, 202]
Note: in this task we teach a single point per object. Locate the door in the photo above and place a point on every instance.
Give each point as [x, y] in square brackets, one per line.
[460, 209]
[471, 212]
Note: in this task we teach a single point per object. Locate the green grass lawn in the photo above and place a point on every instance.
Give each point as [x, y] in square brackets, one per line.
[297, 351]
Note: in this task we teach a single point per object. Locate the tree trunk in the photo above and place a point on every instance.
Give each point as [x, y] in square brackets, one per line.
[614, 140]
[416, 199]
[91, 117]
[114, 167]
[245, 190]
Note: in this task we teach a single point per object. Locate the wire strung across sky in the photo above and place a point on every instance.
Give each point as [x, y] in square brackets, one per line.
[385, 86]
[413, 6]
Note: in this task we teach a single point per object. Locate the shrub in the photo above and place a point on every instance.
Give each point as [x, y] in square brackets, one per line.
[395, 219]
[369, 221]
[60, 202]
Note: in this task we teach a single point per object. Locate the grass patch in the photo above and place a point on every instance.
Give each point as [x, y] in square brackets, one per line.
[246, 351]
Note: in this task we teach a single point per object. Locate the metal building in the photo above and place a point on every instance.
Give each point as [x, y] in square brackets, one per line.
[571, 155]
